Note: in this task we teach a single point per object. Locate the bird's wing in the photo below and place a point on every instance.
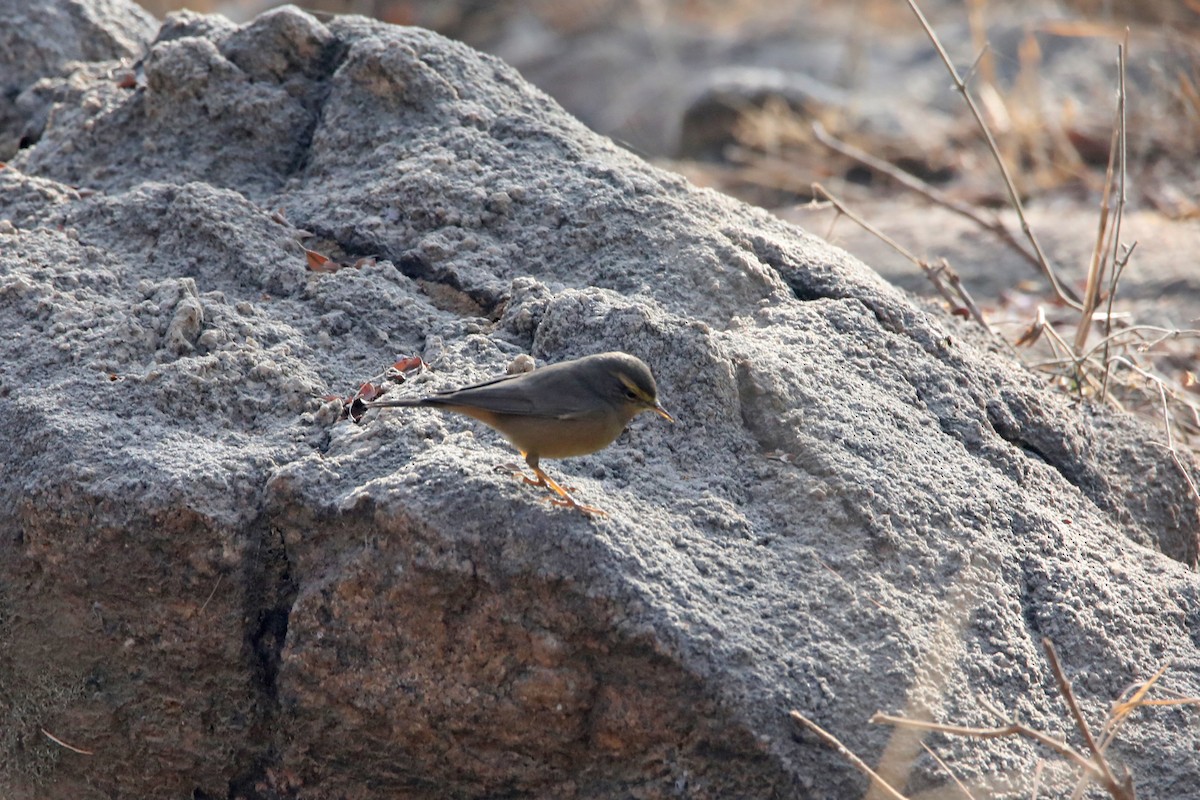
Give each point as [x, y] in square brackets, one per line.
[512, 394]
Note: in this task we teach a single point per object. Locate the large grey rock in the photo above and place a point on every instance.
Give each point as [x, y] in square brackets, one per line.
[218, 588]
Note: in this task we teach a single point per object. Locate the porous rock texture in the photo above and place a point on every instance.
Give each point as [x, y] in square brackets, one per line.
[52, 40]
[218, 588]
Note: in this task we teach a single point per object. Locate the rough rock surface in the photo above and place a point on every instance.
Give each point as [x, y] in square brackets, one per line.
[49, 40]
[219, 589]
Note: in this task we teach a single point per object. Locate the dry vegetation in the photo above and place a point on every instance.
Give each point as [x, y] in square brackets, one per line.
[1091, 764]
[1021, 148]
[1093, 352]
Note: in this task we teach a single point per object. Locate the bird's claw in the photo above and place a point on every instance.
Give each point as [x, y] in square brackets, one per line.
[564, 498]
[515, 471]
[587, 511]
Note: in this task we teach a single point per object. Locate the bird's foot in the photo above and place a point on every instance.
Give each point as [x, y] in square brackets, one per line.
[516, 471]
[564, 498]
[571, 502]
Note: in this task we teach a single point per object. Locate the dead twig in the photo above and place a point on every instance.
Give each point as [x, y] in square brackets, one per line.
[1093, 767]
[1098, 761]
[1037, 779]
[1011, 729]
[1145, 344]
[1063, 292]
[848, 754]
[946, 767]
[991, 223]
[943, 277]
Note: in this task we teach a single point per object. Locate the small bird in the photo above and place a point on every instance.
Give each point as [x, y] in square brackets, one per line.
[562, 410]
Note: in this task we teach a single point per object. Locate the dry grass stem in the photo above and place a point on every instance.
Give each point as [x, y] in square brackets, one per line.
[1063, 292]
[946, 767]
[61, 743]
[1183, 470]
[1121, 709]
[990, 223]
[211, 594]
[1095, 274]
[1078, 363]
[848, 754]
[943, 277]
[1064, 686]
[1120, 263]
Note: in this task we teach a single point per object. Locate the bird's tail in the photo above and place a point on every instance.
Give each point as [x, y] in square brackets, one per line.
[406, 402]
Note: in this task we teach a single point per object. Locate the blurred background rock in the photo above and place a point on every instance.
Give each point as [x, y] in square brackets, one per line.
[732, 87]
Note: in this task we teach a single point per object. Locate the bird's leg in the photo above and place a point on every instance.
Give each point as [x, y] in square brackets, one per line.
[564, 498]
[541, 479]
[544, 480]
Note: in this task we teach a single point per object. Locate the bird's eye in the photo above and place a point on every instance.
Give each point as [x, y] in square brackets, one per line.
[630, 394]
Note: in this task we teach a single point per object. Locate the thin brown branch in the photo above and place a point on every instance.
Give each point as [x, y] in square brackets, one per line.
[1012, 729]
[61, 743]
[1037, 779]
[1062, 291]
[946, 767]
[1093, 768]
[992, 224]
[1100, 764]
[1144, 345]
[955, 293]
[848, 754]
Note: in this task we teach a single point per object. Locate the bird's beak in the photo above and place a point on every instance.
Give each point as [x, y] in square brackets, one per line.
[662, 412]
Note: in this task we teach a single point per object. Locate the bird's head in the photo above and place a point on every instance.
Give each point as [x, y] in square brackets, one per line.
[630, 385]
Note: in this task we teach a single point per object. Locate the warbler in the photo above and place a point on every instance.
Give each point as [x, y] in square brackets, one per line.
[558, 411]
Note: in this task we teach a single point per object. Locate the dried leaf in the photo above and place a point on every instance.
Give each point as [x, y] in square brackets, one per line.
[368, 392]
[320, 263]
[409, 364]
[1034, 331]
